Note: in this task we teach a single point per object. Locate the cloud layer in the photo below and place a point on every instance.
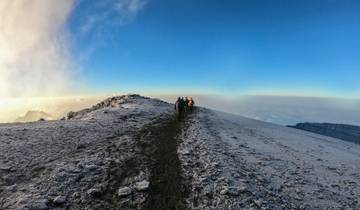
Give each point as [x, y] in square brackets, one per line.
[34, 47]
[35, 43]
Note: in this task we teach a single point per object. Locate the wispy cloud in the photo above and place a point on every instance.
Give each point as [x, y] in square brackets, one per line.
[112, 12]
[99, 20]
[128, 9]
[34, 47]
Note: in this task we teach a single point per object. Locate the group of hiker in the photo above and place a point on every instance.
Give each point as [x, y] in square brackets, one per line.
[184, 105]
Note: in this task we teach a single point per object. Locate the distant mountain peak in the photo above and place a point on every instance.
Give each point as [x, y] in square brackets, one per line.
[34, 115]
[340, 131]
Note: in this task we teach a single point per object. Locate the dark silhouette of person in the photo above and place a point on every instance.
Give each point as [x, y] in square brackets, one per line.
[186, 104]
[179, 107]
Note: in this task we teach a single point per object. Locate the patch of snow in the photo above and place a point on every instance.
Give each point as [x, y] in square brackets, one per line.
[142, 186]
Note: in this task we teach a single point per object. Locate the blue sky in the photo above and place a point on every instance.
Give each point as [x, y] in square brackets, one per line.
[290, 47]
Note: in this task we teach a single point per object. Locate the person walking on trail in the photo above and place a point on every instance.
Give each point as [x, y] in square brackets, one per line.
[179, 107]
[191, 104]
[186, 104]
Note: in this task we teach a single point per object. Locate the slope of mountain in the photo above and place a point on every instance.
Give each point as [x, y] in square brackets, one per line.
[345, 132]
[129, 152]
[32, 115]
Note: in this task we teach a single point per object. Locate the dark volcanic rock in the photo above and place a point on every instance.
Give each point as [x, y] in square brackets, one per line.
[341, 131]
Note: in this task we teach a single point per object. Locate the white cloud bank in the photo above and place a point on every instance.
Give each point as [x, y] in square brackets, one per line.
[35, 58]
[34, 47]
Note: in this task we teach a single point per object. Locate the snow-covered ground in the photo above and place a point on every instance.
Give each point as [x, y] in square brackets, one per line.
[79, 163]
[237, 163]
[110, 157]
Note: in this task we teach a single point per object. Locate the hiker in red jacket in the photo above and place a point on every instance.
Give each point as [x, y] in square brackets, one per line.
[191, 104]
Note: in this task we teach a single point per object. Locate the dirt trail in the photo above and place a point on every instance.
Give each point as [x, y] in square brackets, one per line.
[167, 188]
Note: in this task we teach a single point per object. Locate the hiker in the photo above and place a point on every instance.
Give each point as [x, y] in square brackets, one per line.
[179, 107]
[191, 104]
[186, 104]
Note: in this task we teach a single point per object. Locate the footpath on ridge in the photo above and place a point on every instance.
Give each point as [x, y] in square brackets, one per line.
[159, 143]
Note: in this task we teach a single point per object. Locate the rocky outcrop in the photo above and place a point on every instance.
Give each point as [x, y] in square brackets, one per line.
[116, 101]
[340, 131]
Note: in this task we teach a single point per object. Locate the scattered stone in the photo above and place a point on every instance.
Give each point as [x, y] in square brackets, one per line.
[288, 184]
[4, 167]
[142, 186]
[71, 115]
[124, 191]
[332, 168]
[185, 152]
[296, 197]
[58, 200]
[111, 137]
[202, 179]
[94, 191]
[233, 191]
[258, 202]
[76, 195]
[242, 189]
[224, 191]
[91, 167]
[221, 179]
[320, 196]
[12, 188]
[208, 191]
[335, 185]
[215, 164]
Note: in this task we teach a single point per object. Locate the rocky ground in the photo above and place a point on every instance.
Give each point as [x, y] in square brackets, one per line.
[129, 152]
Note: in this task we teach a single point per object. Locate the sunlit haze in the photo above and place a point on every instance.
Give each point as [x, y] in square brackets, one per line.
[57, 52]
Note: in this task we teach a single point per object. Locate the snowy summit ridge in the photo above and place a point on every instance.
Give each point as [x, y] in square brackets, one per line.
[124, 101]
[130, 152]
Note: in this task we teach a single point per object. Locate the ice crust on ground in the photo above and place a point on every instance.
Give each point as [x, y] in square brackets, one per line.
[96, 159]
[81, 159]
[240, 163]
